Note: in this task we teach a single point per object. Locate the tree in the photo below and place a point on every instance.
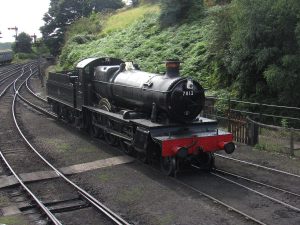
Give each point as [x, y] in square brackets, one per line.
[23, 43]
[219, 41]
[261, 48]
[63, 13]
[174, 11]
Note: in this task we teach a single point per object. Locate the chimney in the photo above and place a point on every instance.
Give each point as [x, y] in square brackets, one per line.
[172, 66]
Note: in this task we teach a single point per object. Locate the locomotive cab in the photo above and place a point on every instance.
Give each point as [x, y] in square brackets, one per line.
[85, 70]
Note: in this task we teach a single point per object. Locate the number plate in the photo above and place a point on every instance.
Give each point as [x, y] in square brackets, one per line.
[188, 93]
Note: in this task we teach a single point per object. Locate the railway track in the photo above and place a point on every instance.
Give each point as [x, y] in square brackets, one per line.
[7, 80]
[4, 70]
[33, 100]
[9, 74]
[44, 200]
[33, 93]
[249, 198]
[284, 191]
[8, 148]
[272, 202]
[258, 166]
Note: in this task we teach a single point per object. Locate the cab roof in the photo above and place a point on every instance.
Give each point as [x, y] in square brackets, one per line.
[85, 62]
[98, 61]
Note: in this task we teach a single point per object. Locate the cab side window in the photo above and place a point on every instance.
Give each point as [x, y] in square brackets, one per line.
[87, 70]
[80, 76]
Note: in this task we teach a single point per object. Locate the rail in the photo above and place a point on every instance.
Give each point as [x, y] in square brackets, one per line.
[38, 201]
[105, 210]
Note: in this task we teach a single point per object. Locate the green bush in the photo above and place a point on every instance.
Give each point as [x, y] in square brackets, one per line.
[176, 11]
[82, 38]
[255, 45]
[91, 25]
[147, 44]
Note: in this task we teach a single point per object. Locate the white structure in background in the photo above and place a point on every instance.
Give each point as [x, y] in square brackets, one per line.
[127, 2]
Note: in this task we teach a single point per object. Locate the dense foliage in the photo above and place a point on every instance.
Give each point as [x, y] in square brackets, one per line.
[246, 49]
[23, 43]
[145, 43]
[63, 13]
[256, 45]
[176, 11]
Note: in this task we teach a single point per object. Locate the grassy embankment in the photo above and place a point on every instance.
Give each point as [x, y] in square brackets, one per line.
[136, 35]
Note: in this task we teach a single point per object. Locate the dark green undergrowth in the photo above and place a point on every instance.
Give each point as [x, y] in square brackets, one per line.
[147, 44]
[235, 49]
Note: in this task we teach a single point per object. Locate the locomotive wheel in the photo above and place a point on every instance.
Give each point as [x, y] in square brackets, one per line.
[111, 139]
[168, 165]
[143, 157]
[206, 161]
[71, 117]
[55, 108]
[59, 112]
[94, 131]
[127, 149]
[100, 133]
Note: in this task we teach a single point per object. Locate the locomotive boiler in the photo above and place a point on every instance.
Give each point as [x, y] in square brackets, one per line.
[151, 116]
[161, 97]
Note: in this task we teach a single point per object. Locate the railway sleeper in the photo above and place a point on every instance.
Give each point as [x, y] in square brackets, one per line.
[57, 206]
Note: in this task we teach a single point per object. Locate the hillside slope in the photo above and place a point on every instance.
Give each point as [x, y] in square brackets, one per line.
[135, 35]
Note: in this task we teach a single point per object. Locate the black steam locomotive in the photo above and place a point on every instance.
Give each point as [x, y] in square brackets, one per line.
[150, 115]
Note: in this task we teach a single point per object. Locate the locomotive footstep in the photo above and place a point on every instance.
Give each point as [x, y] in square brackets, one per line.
[168, 165]
[127, 149]
[111, 139]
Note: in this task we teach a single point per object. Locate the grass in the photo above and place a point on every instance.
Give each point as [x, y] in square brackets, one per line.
[23, 57]
[49, 69]
[87, 149]
[62, 146]
[59, 144]
[131, 194]
[166, 219]
[12, 220]
[4, 201]
[123, 19]
[145, 43]
[136, 35]
[95, 23]
[104, 177]
[276, 141]
[9, 220]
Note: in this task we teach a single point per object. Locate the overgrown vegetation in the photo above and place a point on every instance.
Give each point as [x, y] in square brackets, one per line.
[246, 50]
[23, 43]
[176, 12]
[256, 47]
[25, 50]
[63, 13]
[123, 19]
[148, 45]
